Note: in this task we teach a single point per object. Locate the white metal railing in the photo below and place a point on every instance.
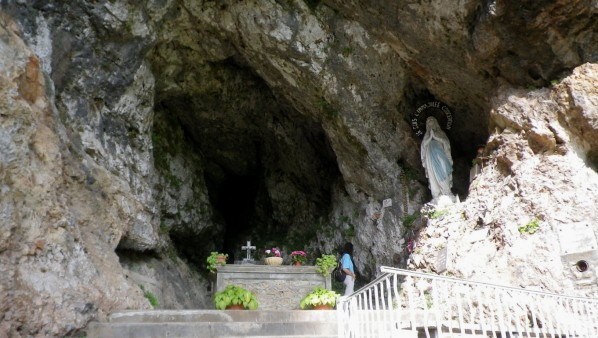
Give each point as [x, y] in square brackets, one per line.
[401, 300]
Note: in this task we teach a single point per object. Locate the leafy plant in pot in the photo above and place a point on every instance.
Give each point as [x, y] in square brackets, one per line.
[325, 264]
[319, 298]
[215, 259]
[235, 297]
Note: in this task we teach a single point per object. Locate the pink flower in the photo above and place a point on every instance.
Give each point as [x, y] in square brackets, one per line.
[274, 252]
[411, 246]
[298, 256]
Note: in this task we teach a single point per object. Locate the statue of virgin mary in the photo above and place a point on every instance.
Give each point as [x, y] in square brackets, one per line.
[437, 160]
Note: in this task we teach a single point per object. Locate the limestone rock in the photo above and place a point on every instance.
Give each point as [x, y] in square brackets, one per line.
[554, 189]
[57, 238]
[135, 137]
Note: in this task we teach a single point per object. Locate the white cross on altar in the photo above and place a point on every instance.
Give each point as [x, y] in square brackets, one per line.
[248, 247]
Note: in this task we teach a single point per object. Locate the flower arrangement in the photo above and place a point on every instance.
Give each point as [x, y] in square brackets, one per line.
[274, 252]
[299, 257]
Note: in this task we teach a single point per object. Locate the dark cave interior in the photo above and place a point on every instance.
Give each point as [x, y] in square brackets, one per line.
[236, 130]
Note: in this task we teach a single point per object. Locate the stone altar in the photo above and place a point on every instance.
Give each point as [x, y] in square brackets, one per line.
[276, 287]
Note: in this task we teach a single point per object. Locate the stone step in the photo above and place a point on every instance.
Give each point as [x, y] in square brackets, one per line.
[320, 336]
[211, 329]
[186, 316]
[217, 323]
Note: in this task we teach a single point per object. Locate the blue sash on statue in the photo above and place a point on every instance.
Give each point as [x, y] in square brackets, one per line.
[440, 164]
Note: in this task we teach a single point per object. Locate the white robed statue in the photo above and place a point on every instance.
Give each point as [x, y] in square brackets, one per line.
[437, 160]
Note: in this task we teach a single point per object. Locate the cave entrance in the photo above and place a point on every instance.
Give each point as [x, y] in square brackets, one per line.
[266, 168]
[234, 200]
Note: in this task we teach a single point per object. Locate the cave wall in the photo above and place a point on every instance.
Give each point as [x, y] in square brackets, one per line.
[125, 126]
[63, 215]
[461, 51]
[78, 116]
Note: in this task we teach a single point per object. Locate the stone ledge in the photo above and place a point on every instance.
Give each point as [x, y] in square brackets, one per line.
[182, 316]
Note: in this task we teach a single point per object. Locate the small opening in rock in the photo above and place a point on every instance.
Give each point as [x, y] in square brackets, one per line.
[581, 266]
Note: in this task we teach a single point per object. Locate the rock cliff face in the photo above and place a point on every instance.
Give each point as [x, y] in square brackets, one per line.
[136, 137]
[542, 200]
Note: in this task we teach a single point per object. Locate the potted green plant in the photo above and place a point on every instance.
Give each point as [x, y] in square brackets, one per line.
[325, 264]
[319, 299]
[235, 297]
[214, 259]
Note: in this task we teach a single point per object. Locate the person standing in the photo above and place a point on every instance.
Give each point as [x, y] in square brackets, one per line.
[348, 268]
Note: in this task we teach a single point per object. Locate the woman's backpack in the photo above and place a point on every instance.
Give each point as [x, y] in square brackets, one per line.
[338, 273]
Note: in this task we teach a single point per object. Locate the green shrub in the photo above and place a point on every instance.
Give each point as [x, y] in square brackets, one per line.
[410, 219]
[436, 214]
[150, 297]
[327, 108]
[325, 264]
[531, 227]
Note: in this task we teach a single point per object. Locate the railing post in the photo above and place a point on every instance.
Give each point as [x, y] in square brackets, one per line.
[388, 308]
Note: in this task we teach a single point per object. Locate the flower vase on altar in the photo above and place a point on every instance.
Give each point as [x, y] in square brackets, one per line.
[298, 258]
[274, 257]
[273, 260]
